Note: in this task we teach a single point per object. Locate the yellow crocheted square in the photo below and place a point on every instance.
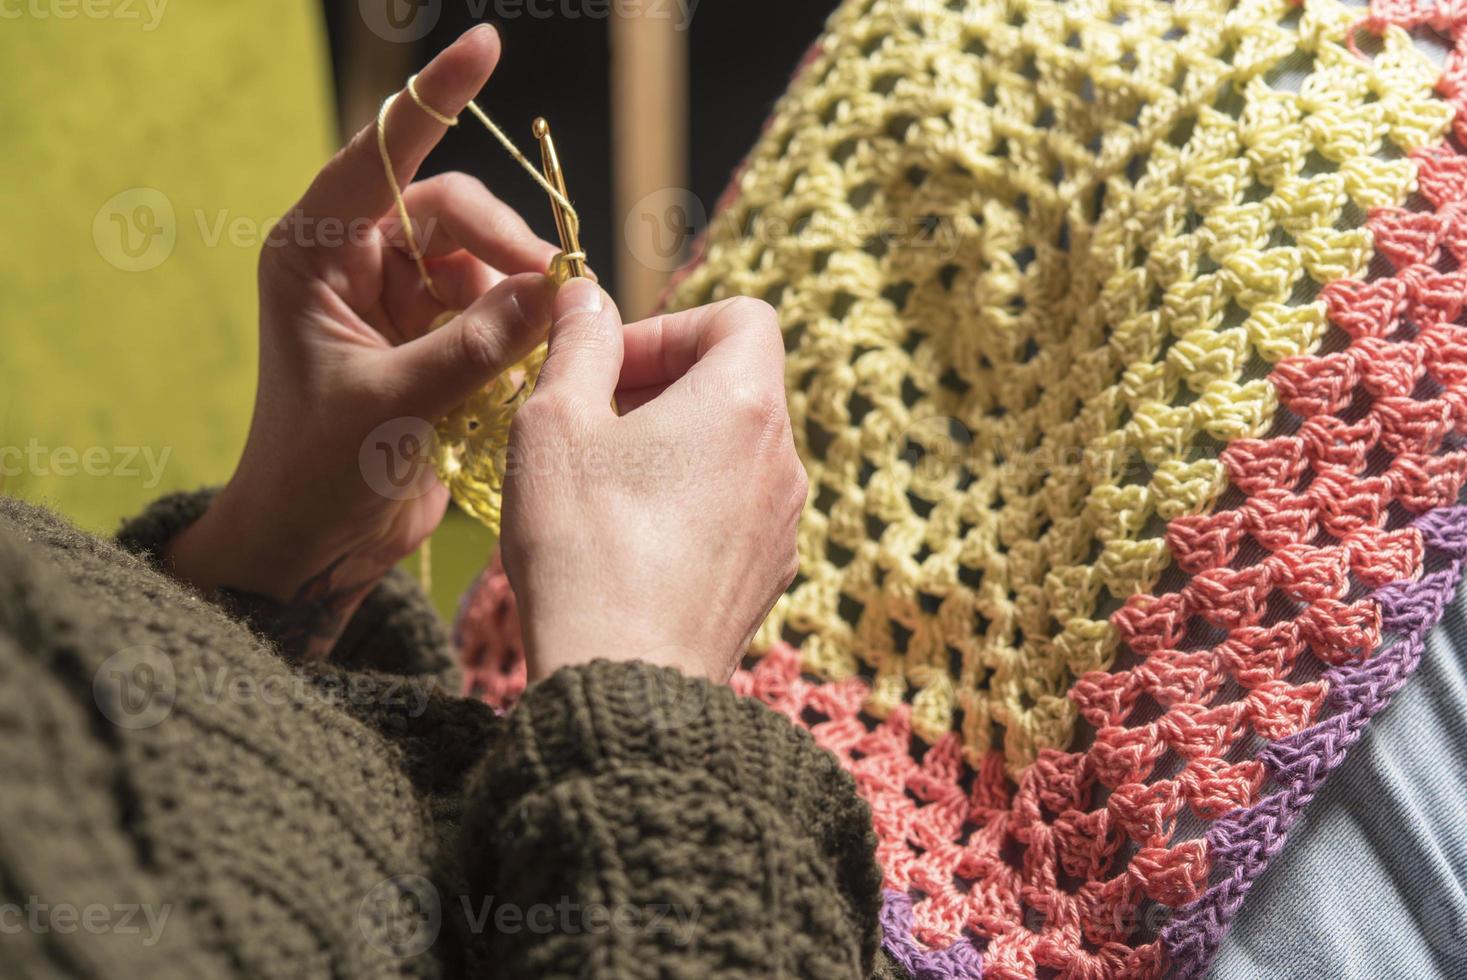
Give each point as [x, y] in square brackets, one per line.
[1032, 261]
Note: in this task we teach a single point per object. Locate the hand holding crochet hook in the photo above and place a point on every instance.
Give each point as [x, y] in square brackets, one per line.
[663, 531]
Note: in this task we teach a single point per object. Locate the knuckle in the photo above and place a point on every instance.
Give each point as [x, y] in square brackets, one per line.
[517, 455]
[800, 490]
[499, 224]
[456, 183]
[545, 411]
[479, 345]
[274, 257]
[362, 143]
[756, 401]
[526, 433]
[761, 413]
[282, 257]
[581, 336]
[789, 569]
[529, 418]
[754, 312]
[757, 317]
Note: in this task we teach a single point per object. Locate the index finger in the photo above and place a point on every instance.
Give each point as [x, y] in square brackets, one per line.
[353, 185]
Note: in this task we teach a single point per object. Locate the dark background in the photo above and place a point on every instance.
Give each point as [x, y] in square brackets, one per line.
[741, 56]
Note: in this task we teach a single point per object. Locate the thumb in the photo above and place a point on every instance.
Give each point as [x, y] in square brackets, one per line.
[442, 368]
[584, 361]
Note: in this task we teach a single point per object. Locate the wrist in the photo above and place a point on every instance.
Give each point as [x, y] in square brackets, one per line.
[286, 586]
[237, 545]
[548, 651]
[226, 547]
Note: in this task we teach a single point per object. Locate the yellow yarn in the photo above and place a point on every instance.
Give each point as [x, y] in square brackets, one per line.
[469, 452]
[1033, 260]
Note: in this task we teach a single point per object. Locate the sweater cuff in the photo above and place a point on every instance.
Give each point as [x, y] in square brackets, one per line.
[148, 534]
[395, 630]
[676, 782]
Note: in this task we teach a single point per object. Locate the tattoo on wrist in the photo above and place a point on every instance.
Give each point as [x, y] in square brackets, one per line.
[307, 625]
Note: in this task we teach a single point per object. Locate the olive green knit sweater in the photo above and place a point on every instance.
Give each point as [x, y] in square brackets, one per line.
[178, 800]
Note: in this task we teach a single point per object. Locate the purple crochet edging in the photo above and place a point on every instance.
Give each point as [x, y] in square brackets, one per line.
[960, 961]
[1242, 843]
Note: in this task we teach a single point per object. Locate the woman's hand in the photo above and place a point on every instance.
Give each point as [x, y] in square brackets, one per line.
[664, 534]
[314, 515]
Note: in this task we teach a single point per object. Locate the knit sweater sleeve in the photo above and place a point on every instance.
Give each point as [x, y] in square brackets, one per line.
[626, 814]
[394, 630]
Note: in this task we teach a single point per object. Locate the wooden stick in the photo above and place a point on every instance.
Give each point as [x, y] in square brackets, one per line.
[649, 87]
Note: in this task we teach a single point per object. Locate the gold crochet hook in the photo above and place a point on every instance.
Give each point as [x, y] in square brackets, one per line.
[566, 223]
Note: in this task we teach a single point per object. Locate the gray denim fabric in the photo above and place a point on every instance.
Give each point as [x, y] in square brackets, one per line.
[1373, 881]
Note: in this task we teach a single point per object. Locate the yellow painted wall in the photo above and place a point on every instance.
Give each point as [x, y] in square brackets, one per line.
[130, 360]
[127, 364]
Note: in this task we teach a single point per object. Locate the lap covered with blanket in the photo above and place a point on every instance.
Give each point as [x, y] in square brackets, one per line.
[1127, 360]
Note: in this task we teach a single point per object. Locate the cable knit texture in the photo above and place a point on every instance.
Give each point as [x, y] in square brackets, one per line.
[309, 822]
[1126, 357]
[650, 770]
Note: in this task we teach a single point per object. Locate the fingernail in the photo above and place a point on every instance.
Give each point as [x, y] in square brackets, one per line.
[578, 295]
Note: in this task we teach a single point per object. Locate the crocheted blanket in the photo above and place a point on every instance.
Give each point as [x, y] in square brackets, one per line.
[1127, 359]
